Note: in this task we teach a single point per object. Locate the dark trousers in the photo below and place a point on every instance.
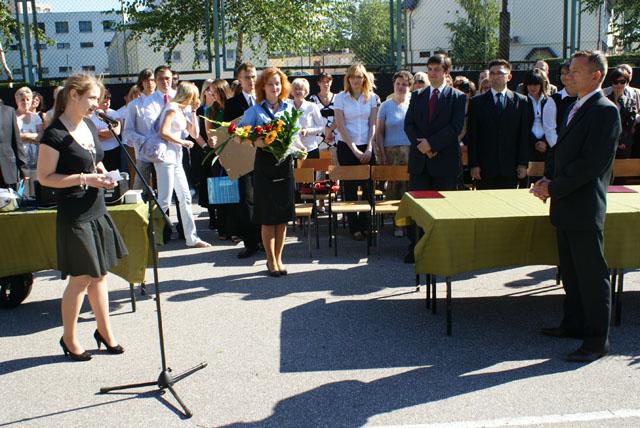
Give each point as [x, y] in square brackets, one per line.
[585, 278]
[427, 182]
[497, 183]
[358, 222]
[249, 232]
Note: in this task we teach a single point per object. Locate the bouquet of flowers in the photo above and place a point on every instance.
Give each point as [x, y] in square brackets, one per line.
[278, 136]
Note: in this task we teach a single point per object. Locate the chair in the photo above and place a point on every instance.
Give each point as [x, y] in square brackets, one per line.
[347, 173]
[625, 168]
[306, 211]
[380, 208]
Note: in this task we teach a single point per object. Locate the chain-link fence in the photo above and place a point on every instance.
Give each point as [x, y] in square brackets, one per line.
[211, 37]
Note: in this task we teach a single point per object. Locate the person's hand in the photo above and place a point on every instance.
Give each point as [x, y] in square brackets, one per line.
[382, 157]
[357, 153]
[366, 157]
[521, 172]
[622, 146]
[431, 154]
[303, 133]
[328, 135]
[541, 146]
[212, 141]
[475, 173]
[541, 189]
[463, 148]
[259, 142]
[99, 181]
[187, 143]
[423, 146]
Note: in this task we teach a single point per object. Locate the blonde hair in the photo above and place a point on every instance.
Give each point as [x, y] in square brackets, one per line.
[267, 74]
[367, 84]
[205, 85]
[301, 82]
[80, 83]
[24, 91]
[187, 93]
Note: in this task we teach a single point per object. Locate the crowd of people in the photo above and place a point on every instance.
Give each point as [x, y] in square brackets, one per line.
[431, 122]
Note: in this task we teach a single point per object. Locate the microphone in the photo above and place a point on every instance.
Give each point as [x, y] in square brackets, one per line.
[106, 119]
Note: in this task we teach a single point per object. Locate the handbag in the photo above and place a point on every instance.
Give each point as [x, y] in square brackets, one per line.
[8, 200]
[154, 148]
[223, 190]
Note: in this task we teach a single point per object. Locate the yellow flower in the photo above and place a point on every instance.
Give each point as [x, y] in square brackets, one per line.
[279, 125]
[270, 138]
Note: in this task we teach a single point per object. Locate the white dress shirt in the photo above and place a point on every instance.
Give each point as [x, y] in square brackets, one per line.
[504, 96]
[312, 121]
[141, 115]
[549, 125]
[251, 99]
[356, 116]
[110, 143]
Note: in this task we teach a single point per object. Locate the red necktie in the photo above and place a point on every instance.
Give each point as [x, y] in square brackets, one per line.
[432, 103]
[166, 99]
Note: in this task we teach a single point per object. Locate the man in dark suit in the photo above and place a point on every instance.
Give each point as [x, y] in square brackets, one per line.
[10, 162]
[576, 180]
[434, 120]
[498, 132]
[234, 108]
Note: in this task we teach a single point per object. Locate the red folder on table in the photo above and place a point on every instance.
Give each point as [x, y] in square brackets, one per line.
[426, 194]
[620, 189]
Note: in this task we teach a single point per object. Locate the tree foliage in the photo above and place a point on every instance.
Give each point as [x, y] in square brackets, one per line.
[371, 32]
[9, 27]
[270, 26]
[474, 38]
[625, 20]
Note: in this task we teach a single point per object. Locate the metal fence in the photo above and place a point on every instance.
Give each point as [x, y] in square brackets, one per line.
[212, 37]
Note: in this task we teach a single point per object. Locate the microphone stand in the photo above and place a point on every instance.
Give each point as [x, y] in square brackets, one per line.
[166, 379]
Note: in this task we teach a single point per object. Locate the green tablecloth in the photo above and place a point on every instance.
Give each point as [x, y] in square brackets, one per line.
[473, 230]
[30, 241]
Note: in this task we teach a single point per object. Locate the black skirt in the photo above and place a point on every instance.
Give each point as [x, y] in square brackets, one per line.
[88, 248]
[273, 189]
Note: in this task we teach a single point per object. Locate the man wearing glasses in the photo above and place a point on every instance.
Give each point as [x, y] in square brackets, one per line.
[498, 132]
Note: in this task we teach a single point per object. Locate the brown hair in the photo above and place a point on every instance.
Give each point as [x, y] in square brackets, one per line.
[267, 74]
[367, 84]
[245, 66]
[498, 62]
[597, 61]
[222, 88]
[441, 59]
[80, 83]
[403, 74]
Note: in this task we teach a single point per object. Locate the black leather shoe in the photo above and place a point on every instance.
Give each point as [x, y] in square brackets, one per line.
[85, 356]
[584, 356]
[561, 332]
[247, 252]
[110, 349]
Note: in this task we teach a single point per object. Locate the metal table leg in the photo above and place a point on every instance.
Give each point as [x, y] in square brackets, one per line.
[449, 322]
[433, 293]
[618, 307]
[132, 294]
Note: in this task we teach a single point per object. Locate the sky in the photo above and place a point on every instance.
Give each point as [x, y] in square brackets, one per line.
[77, 6]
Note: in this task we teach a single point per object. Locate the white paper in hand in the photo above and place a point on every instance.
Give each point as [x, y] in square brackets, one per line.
[114, 175]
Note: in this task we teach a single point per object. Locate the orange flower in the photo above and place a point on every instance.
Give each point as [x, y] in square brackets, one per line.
[279, 125]
[270, 138]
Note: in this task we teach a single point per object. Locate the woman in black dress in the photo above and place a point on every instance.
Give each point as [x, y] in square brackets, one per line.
[88, 243]
[273, 184]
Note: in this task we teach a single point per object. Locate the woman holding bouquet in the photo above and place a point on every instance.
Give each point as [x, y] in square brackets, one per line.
[273, 179]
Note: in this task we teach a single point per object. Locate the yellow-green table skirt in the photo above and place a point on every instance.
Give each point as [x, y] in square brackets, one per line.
[30, 241]
[468, 231]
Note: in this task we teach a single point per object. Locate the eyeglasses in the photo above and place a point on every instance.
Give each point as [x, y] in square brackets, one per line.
[421, 81]
[619, 82]
[498, 73]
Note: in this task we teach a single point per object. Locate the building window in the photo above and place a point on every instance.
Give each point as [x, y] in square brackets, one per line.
[16, 71]
[65, 69]
[45, 70]
[13, 47]
[85, 27]
[231, 54]
[86, 44]
[63, 45]
[107, 44]
[176, 57]
[62, 27]
[202, 55]
[43, 46]
[108, 26]
[88, 68]
[41, 26]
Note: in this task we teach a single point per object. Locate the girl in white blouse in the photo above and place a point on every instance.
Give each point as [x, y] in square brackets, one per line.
[356, 112]
[311, 121]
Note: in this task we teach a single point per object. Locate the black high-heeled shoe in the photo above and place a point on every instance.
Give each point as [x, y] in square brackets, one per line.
[85, 356]
[110, 349]
[273, 273]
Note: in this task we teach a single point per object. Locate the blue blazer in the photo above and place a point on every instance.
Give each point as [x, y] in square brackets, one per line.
[442, 132]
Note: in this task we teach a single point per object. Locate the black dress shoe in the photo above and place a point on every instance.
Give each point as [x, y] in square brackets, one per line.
[85, 356]
[561, 332]
[273, 273]
[583, 356]
[247, 252]
[110, 349]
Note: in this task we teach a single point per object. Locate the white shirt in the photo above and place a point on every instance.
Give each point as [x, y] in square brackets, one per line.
[440, 89]
[549, 124]
[141, 115]
[563, 93]
[110, 143]
[251, 99]
[312, 121]
[584, 99]
[356, 116]
[536, 128]
[178, 130]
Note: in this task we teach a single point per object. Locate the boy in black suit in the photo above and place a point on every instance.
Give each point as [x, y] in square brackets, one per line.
[576, 180]
[434, 120]
[233, 109]
[498, 132]
[10, 163]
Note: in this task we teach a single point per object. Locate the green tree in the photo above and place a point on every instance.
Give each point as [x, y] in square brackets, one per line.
[371, 34]
[625, 20]
[272, 26]
[475, 37]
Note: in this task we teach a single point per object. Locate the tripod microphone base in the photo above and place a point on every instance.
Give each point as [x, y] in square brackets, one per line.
[165, 381]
